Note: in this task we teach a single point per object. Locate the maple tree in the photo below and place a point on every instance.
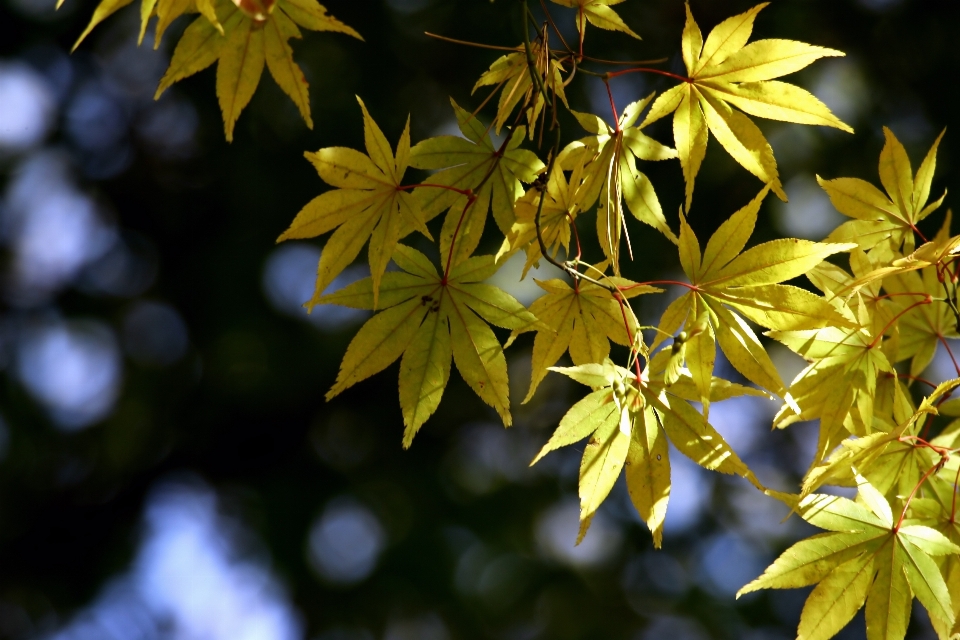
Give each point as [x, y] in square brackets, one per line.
[867, 337]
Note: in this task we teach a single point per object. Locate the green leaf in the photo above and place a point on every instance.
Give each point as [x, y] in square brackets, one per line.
[465, 163]
[810, 561]
[869, 559]
[582, 320]
[836, 599]
[284, 70]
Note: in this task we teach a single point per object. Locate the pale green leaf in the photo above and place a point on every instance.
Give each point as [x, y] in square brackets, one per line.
[647, 472]
[480, 359]
[583, 418]
[424, 372]
[834, 601]
[809, 561]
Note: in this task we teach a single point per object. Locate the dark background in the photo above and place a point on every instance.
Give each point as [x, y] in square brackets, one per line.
[168, 466]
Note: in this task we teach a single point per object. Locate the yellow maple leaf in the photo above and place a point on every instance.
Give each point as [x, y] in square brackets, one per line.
[879, 217]
[725, 72]
[253, 36]
[429, 317]
[369, 202]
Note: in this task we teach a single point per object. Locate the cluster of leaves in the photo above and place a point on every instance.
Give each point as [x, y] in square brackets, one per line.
[867, 336]
[241, 36]
[896, 303]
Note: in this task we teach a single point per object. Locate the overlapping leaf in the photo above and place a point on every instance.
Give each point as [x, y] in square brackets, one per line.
[864, 305]
[939, 511]
[726, 72]
[867, 557]
[581, 319]
[839, 384]
[885, 217]
[561, 205]
[429, 317]
[467, 163]
[606, 164]
[629, 424]
[922, 327]
[369, 203]
[939, 252]
[727, 286]
[510, 74]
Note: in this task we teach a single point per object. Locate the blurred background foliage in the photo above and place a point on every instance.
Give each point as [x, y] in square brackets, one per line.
[168, 468]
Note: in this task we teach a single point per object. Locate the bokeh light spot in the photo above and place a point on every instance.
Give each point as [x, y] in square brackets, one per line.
[345, 542]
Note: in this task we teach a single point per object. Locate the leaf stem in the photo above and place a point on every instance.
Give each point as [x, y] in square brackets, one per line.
[531, 63]
[464, 192]
[468, 43]
[906, 505]
[613, 106]
[453, 240]
[917, 378]
[927, 300]
[581, 27]
[472, 197]
[946, 346]
[903, 293]
[626, 325]
[614, 74]
[692, 287]
[625, 62]
[546, 11]
[920, 442]
[576, 235]
[953, 509]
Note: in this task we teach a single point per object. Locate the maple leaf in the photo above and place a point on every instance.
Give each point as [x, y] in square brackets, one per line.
[369, 203]
[629, 425]
[609, 174]
[428, 318]
[879, 217]
[599, 14]
[582, 319]
[467, 164]
[166, 10]
[865, 305]
[939, 511]
[511, 75]
[243, 39]
[726, 72]
[839, 384]
[561, 204]
[865, 557]
[894, 462]
[727, 286]
[922, 327]
[940, 251]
